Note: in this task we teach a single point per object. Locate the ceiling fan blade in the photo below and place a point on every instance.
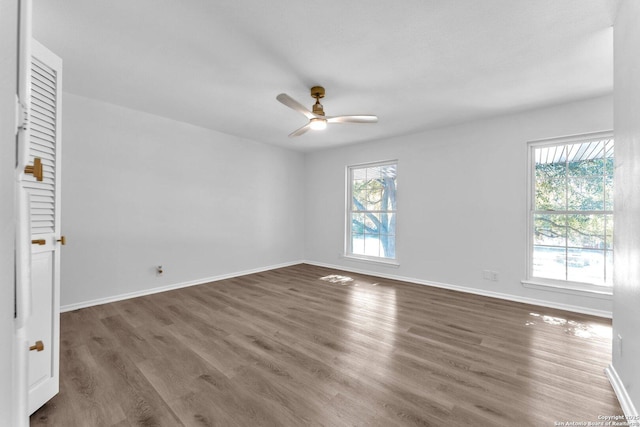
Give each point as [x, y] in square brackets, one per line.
[301, 130]
[293, 104]
[353, 119]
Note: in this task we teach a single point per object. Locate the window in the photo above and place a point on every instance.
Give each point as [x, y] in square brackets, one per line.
[371, 211]
[571, 220]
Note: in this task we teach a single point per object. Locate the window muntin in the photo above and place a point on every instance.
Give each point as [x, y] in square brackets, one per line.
[371, 213]
[572, 211]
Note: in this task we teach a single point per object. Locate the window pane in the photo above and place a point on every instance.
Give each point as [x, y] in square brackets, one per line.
[551, 193]
[357, 244]
[359, 191]
[388, 179]
[586, 159]
[388, 245]
[372, 245]
[609, 158]
[372, 223]
[374, 172]
[586, 194]
[585, 265]
[549, 262]
[373, 198]
[586, 231]
[608, 193]
[388, 171]
[357, 223]
[550, 230]
[556, 154]
[388, 221]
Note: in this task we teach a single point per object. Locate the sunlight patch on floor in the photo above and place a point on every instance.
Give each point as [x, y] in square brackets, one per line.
[336, 278]
[372, 313]
[578, 329]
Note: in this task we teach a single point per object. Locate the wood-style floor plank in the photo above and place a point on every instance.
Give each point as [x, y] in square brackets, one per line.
[287, 348]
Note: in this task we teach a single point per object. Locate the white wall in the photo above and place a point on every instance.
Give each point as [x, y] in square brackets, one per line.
[626, 306]
[8, 64]
[141, 190]
[461, 200]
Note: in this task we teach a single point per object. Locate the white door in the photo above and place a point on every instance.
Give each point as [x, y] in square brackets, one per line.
[43, 326]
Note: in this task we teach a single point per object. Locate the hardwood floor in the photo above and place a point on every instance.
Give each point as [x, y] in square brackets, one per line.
[286, 348]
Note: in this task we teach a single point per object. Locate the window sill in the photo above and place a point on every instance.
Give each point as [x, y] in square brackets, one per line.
[379, 261]
[572, 288]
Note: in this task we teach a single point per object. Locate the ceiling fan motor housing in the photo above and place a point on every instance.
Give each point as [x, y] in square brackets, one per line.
[317, 92]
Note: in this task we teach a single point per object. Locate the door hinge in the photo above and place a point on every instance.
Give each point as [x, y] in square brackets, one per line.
[22, 116]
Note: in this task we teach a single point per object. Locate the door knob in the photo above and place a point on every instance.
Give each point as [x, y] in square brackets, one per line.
[39, 346]
[62, 240]
[39, 242]
[35, 169]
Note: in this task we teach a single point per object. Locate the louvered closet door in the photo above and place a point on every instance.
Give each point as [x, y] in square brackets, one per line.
[44, 202]
[43, 145]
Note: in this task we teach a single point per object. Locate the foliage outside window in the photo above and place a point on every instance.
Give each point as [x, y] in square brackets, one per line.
[371, 213]
[572, 211]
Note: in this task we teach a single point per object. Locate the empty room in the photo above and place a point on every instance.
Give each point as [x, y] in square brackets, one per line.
[320, 213]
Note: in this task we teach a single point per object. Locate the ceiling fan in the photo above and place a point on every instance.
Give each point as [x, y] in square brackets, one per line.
[317, 119]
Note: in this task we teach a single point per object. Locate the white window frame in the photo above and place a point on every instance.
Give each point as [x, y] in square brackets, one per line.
[348, 250]
[563, 286]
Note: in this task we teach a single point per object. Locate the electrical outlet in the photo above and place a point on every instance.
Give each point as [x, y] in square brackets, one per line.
[159, 270]
[490, 275]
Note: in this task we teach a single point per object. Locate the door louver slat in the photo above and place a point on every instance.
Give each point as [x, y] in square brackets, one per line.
[43, 137]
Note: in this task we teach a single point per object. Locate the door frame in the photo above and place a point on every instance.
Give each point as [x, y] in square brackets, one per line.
[9, 15]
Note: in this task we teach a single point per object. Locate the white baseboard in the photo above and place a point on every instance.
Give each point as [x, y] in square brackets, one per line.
[543, 303]
[626, 404]
[499, 295]
[120, 297]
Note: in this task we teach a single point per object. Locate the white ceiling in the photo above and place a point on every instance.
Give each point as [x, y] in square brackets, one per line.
[417, 64]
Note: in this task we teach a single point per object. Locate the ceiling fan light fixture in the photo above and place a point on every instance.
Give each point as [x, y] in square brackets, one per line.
[318, 124]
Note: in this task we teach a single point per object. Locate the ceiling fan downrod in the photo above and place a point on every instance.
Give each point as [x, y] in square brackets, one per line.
[317, 92]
